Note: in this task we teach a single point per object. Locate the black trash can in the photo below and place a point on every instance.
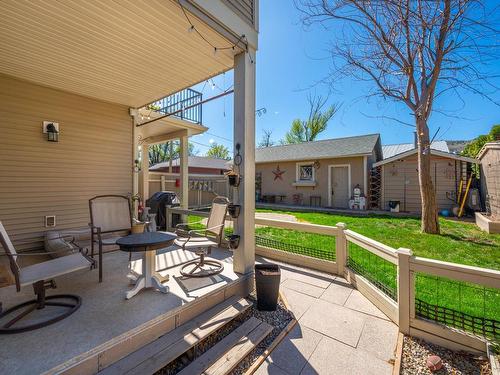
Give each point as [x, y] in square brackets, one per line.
[267, 283]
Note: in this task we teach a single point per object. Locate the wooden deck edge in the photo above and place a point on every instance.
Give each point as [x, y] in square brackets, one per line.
[89, 363]
[398, 354]
[494, 361]
[260, 359]
[285, 302]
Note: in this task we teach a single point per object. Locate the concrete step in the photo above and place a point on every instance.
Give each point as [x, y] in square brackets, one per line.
[160, 352]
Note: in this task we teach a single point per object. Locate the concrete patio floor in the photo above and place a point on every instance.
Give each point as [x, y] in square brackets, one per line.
[338, 332]
[104, 313]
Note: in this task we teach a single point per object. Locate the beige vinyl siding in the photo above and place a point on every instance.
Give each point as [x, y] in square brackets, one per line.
[243, 8]
[285, 187]
[39, 178]
[490, 169]
[395, 174]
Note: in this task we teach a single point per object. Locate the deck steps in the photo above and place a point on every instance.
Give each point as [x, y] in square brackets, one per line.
[160, 352]
[237, 353]
[227, 353]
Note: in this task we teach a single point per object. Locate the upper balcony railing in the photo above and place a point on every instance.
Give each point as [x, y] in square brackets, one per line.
[185, 104]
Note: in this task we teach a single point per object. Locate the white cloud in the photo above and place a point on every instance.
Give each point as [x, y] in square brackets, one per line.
[211, 141]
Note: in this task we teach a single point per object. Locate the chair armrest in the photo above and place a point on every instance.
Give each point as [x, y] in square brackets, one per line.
[215, 227]
[196, 231]
[194, 222]
[36, 254]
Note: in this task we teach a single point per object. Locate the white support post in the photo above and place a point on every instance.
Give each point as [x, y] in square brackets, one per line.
[405, 283]
[170, 155]
[341, 249]
[244, 135]
[135, 156]
[184, 172]
[145, 171]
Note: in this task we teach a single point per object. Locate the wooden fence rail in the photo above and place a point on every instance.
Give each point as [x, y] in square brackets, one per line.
[402, 311]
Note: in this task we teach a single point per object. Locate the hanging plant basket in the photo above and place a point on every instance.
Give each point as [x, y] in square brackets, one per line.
[233, 241]
[234, 178]
[234, 210]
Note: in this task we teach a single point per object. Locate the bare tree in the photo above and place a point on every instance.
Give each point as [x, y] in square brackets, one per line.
[266, 140]
[316, 123]
[413, 51]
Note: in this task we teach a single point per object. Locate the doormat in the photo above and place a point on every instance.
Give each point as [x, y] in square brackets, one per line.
[190, 284]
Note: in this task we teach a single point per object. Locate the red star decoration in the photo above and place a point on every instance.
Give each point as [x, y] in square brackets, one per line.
[278, 173]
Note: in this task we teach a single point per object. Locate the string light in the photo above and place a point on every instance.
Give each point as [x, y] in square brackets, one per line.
[192, 28]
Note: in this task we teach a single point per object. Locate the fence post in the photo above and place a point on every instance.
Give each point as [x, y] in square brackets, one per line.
[162, 182]
[404, 289]
[168, 218]
[341, 249]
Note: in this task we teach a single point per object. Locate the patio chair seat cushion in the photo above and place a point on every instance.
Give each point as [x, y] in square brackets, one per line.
[194, 242]
[52, 268]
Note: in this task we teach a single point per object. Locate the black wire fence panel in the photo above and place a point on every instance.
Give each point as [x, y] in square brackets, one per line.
[315, 252]
[380, 272]
[466, 306]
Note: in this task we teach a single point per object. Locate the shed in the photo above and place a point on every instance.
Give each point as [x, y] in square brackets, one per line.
[317, 173]
[398, 178]
[489, 157]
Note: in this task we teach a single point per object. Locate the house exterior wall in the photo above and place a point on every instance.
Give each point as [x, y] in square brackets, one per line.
[39, 178]
[270, 186]
[490, 179]
[444, 171]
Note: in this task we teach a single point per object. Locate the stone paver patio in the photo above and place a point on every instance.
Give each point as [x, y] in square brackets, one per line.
[338, 332]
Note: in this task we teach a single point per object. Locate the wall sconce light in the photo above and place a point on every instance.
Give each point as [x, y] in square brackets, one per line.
[52, 131]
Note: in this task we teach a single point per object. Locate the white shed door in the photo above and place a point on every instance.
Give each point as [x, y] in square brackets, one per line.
[340, 187]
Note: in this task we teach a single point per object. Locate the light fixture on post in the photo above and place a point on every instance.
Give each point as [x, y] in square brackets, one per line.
[52, 131]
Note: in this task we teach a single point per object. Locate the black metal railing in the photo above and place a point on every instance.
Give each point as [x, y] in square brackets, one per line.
[185, 104]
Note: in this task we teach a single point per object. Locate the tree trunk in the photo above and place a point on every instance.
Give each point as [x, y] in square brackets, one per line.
[430, 221]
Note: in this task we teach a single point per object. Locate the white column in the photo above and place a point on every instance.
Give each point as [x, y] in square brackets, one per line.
[244, 135]
[184, 171]
[145, 171]
[135, 156]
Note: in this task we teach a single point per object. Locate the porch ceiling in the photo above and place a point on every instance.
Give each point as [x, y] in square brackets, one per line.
[129, 52]
[166, 128]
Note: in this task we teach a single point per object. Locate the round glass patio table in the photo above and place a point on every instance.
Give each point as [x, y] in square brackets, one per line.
[147, 243]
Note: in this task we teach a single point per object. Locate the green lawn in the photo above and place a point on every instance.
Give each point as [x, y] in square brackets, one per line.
[459, 242]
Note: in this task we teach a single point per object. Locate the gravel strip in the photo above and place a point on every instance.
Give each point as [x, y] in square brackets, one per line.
[279, 319]
[416, 352]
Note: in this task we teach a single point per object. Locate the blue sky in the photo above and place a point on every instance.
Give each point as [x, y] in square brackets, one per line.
[290, 62]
